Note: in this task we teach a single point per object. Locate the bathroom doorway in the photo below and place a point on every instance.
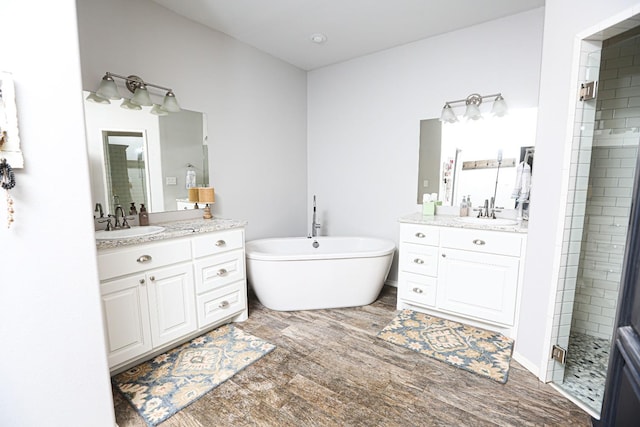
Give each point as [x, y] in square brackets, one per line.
[603, 162]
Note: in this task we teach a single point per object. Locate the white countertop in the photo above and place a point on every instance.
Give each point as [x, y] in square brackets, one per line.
[174, 229]
[455, 222]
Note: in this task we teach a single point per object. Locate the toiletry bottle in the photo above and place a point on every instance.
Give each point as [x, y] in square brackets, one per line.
[463, 207]
[469, 206]
[132, 209]
[143, 215]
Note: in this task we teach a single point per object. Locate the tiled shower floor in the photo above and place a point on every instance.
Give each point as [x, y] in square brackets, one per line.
[586, 369]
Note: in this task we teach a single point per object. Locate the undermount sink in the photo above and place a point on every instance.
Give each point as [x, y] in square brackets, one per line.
[128, 233]
[487, 221]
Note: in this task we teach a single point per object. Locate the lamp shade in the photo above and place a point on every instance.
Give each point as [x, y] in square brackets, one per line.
[194, 194]
[448, 115]
[97, 99]
[499, 108]
[206, 195]
[472, 112]
[108, 88]
[141, 96]
[158, 110]
[170, 103]
[128, 105]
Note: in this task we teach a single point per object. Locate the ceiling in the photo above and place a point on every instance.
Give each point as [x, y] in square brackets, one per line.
[353, 28]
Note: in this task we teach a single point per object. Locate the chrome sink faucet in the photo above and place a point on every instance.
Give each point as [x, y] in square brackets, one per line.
[117, 224]
[314, 225]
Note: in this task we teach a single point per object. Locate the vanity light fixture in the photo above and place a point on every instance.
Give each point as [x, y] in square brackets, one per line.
[109, 91]
[472, 111]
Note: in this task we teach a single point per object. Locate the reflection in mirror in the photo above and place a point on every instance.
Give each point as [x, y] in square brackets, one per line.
[463, 157]
[126, 174]
[169, 146]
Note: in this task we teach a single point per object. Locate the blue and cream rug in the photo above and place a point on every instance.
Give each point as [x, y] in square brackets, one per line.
[160, 387]
[483, 352]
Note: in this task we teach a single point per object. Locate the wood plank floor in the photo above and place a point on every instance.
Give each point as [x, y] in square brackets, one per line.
[329, 369]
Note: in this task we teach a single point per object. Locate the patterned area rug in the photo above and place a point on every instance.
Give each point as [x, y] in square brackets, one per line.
[476, 350]
[160, 387]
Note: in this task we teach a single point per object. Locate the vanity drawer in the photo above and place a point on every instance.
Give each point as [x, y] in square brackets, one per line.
[220, 270]
[420, 234]
[221, 303]
[419, 259]
[490, 242]
[120, 262]
[417, 288]
[217, 242]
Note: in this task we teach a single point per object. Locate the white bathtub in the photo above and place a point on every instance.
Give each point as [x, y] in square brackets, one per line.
[290, 274]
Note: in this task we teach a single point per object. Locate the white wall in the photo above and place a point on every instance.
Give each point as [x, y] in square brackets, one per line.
[364, 116]
[255, 104]
[54, 367]
[565, 22]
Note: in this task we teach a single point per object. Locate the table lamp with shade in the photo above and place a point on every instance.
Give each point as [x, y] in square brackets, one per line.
[206, 195]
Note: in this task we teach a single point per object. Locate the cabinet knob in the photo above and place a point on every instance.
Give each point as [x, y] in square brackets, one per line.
[420, 235]
[418, 261]
[444, 255]
[152, 278]
[417, 290]
[478, 242]
[224, 304]
[220, 243]
[222, 272]
[144, 258]
[142, 281]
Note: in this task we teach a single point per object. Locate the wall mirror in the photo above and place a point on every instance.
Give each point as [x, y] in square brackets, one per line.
[461, 159]
[138, 157]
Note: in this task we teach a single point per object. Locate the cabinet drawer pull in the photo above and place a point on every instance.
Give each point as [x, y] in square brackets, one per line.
[221, 243]
[417, 290]
[418, 261]
[420, 235]
[152, 278]
[222, 272]
[224, 304]
[444, 255]
[478, 242]
[144, 258]
[142, 281]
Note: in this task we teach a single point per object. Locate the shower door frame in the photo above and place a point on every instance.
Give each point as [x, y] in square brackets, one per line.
[581, 148]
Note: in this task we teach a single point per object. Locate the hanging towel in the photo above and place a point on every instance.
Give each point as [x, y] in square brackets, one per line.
[523, 183]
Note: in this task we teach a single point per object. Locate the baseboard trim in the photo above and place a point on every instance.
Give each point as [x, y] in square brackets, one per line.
[527, 364]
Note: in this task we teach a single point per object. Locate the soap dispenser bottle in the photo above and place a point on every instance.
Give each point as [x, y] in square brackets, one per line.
[463, 207]
[143, 216]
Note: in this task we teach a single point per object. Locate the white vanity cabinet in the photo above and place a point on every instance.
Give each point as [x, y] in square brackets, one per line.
[461, 273]
[159, 294]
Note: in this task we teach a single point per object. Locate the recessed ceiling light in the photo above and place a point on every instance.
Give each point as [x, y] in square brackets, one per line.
[318, 38]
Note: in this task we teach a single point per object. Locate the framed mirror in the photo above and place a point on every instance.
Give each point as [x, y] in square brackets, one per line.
[461, 159]
[138, 157]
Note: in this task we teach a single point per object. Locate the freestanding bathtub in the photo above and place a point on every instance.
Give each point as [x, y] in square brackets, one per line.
[293, 274]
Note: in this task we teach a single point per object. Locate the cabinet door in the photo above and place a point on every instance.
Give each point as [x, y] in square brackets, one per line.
[126, 317]
[483, 286]
[171, 303]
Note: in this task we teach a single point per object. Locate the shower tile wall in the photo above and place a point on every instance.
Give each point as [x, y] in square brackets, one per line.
[613, 164]
[608, 203]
